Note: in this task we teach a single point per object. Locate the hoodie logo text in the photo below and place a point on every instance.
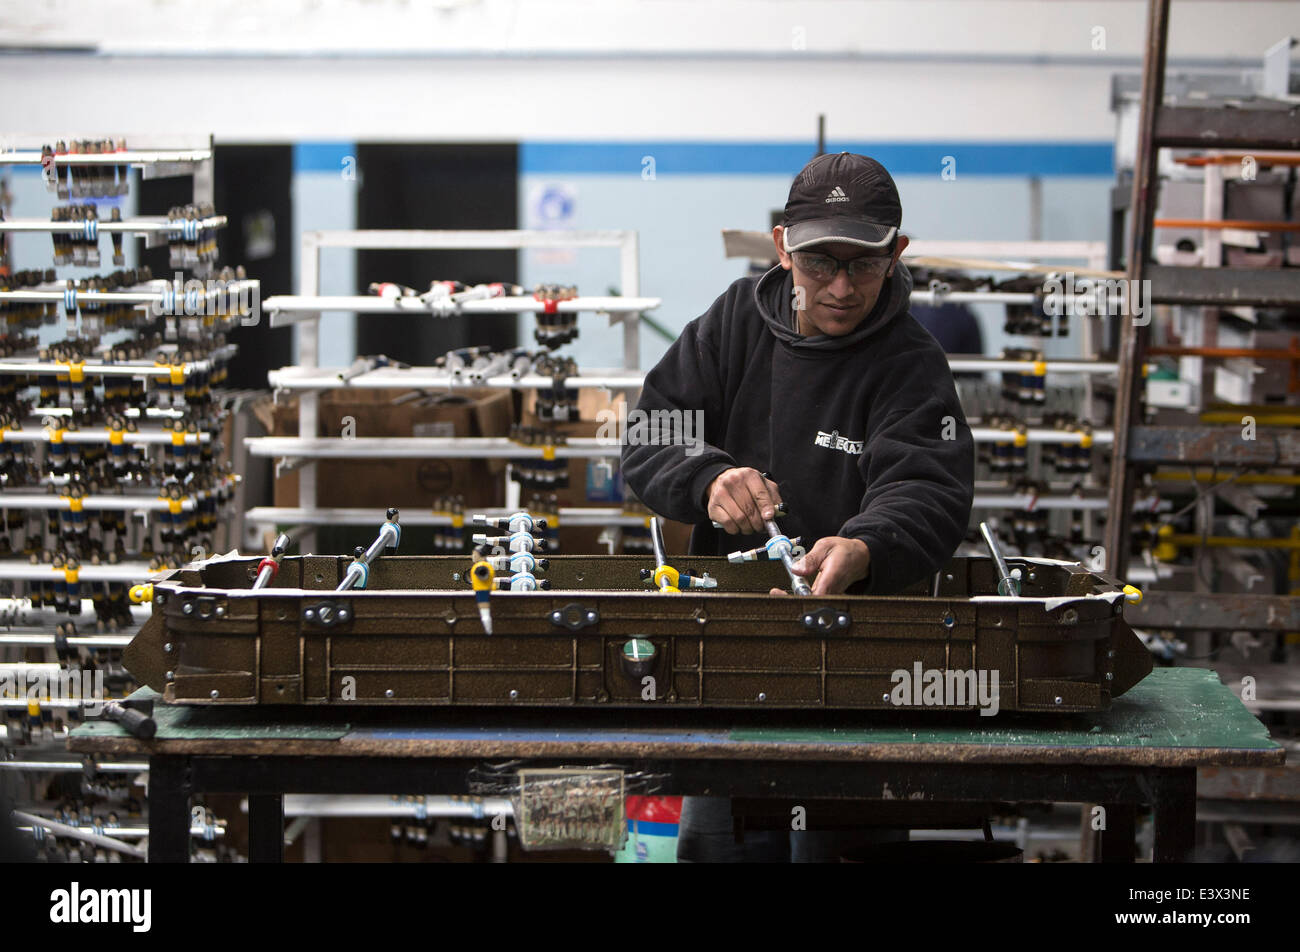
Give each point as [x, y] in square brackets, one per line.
[833, 441]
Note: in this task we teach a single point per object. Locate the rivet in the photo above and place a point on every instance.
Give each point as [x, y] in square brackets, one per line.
[807, 619]
[591, 616]
[513, 694]
[221, 610]
[159, 599]
[309, 613]
[388, 693]
[1058, 700]
[949, 620]
[557, 617]
[701, 620]
[187, 608]
[762, 696]
[215, 694]
[843, 620]
[170, 676]
[455, 576]
[167, 647]
[885, 698]
[1110, 675]
[343, 614]
[1110, 653]
[948, 577]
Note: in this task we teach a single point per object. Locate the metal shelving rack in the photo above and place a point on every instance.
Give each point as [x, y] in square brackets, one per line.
[22, 627]
[304, 310]
[1166, 126]
[1229, 797]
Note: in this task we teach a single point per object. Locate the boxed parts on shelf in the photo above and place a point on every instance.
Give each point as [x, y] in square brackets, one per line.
[401, 413]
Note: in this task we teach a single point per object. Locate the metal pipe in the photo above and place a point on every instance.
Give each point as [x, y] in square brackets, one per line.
[797, 582]
[390, 535]
[1008, 584]
[267, 572]
[76, 833]
[657, 539]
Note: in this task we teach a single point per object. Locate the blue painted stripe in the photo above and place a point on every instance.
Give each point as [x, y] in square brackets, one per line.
[322, 156]
[645, 828]
[1047, 159]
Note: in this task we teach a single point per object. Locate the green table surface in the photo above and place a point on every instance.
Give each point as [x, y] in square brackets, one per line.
[1176, 717]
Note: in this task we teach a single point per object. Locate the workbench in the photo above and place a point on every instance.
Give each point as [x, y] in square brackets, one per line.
[1144, 750]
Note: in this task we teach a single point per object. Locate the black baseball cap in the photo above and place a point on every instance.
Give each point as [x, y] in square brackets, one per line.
[842, 197]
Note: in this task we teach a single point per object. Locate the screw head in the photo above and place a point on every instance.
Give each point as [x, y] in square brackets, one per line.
[557, 617]
[885, 698]
[455, 576]
[843, 620]
[1057, 700]
[807, 619]
[220, 610]
[513, 694]
[187, 608]
[947, 577]
[388, 693]
[215, 694]
[949, 620]
[591, 616]
[1110, 675]
[170, 675]
[159, 598]
[343, 614]
[762, 696]
[309, 613]
[167, 647]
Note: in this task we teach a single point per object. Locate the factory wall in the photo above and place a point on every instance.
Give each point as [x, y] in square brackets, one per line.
[723, 96]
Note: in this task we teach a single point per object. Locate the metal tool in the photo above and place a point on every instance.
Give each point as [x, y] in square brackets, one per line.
[390, 536]
[138, 723]
[1008, 579]
[779, 546]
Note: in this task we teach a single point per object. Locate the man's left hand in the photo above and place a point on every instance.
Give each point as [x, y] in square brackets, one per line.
[837, 562]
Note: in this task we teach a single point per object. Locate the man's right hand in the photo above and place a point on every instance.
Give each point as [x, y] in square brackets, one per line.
[740, 499]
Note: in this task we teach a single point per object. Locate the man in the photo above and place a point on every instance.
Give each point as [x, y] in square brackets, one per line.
[815, 375]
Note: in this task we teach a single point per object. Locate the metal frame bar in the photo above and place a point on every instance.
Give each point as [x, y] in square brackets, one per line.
[175, 778]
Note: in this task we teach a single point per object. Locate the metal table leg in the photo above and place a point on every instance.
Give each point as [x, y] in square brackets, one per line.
[1117, 842]
[169, 810]
[266, 828]
[1173, 797]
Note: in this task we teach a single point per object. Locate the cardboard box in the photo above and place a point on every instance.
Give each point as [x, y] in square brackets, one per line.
[412, 483]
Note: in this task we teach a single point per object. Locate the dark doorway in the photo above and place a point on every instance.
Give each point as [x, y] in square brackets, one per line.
[252, 188]
[436, 187]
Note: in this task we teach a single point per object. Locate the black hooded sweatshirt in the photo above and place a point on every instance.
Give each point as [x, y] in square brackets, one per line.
[863, 433]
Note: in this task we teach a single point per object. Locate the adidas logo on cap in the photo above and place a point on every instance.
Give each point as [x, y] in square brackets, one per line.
[836, 195]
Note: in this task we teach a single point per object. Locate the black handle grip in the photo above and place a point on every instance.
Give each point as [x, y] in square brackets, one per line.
[138, 724]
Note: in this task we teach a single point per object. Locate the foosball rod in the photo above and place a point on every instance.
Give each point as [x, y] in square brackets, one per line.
[390, 535]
